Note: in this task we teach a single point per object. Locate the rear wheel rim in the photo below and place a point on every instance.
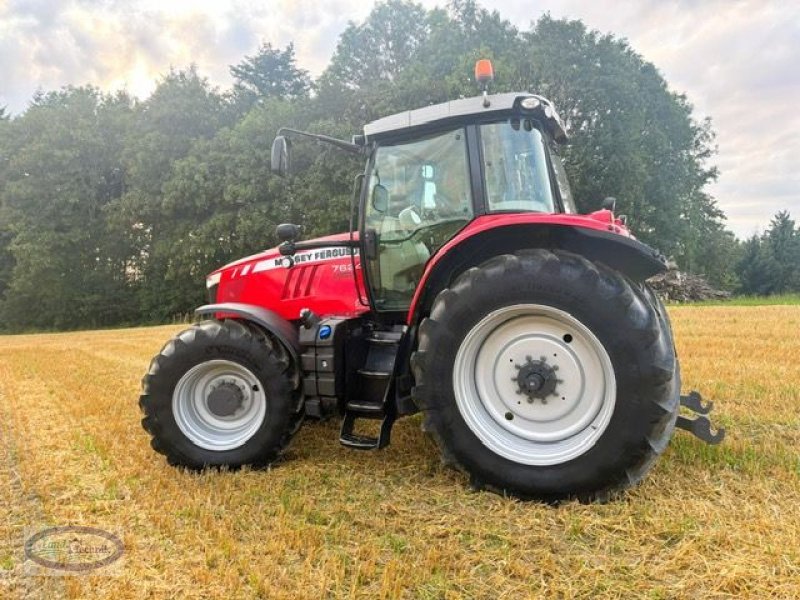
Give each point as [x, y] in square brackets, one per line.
[507, 363]
[219, 405]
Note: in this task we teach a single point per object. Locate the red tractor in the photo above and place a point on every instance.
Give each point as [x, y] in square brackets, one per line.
[468, 289]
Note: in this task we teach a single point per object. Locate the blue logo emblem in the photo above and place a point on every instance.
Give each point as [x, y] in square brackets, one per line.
[324, 332]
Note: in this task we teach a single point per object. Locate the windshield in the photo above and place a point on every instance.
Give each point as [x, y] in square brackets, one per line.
[516, 168]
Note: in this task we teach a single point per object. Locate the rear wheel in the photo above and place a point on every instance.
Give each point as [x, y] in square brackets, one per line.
[221, 393]
[551, 377]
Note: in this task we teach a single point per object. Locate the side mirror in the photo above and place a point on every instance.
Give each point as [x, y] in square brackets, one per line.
[380, 198]
[287, 232]
[280, 156]
[609, 203]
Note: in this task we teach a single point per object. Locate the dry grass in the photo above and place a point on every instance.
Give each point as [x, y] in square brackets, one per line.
[709, 522]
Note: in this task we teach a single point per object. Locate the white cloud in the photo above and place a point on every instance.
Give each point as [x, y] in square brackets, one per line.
[735, 60]
[112, 44]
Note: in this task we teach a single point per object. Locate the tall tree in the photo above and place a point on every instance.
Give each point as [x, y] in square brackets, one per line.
[270, 73]
[631, 137]
[770, 263]
[64, 171]
[379, 49]
[755, 268]
[782, 243]
[184, 110]
[7, 148]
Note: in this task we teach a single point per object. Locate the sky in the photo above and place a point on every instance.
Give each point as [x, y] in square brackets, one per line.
[738, 62]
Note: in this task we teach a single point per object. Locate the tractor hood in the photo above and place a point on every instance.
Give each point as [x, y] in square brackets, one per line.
[327, 280]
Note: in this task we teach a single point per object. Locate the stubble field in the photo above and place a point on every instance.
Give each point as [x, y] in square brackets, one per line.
[710, 522]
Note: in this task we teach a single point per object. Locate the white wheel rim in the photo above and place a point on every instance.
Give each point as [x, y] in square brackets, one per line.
[491, 399]
[219, 405]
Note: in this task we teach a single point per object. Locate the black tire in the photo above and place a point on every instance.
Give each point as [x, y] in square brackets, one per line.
[628, 321]
[228, 340]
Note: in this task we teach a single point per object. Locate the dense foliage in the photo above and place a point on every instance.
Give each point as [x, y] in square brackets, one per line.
[112, 210]
[770, 263]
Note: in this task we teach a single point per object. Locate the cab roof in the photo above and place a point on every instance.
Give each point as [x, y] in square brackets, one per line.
[461, 109]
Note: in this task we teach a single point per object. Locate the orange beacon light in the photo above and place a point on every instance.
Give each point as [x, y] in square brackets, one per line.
[484, 72]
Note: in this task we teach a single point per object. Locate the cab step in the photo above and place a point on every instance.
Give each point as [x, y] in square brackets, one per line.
[366, 409]
[385, 338]
[374, 374]
[357, 441]
[372, 387]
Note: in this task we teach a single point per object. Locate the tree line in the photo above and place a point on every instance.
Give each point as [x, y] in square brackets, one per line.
[770, 263]
[113, 209]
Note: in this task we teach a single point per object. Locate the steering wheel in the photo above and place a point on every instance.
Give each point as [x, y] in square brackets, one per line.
[409, 218]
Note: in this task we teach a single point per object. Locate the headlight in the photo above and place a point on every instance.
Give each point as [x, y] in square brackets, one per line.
[212, 283]
[213, 279]
[211, 294]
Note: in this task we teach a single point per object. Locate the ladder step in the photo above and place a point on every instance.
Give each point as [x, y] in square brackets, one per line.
[365, 409]
[383, 340]
[358, 442]
[374, 374]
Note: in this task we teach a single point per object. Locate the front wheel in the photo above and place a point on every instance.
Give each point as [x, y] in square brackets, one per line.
[552, 377]
[219, 394]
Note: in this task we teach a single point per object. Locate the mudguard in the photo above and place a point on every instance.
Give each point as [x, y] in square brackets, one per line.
[489, 236]
[272, 322]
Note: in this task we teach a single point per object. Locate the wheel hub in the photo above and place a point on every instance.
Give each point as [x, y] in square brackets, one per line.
[226, 399]
[536, 379]
[219, 405]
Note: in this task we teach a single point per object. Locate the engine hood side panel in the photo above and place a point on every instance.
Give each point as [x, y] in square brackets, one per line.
[326, 280]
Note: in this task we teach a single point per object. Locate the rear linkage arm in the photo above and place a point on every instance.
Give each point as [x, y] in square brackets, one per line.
[700, 426]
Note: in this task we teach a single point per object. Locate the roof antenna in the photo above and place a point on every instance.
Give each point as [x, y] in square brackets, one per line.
[484, 73]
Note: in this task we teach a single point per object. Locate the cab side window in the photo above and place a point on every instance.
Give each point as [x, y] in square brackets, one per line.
[419, 197]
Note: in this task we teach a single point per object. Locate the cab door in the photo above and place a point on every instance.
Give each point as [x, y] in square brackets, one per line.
[418, 196]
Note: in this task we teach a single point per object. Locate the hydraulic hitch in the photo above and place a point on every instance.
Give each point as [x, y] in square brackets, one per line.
[700, 426]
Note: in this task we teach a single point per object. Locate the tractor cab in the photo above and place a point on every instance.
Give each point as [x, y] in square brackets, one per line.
[433, 170]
